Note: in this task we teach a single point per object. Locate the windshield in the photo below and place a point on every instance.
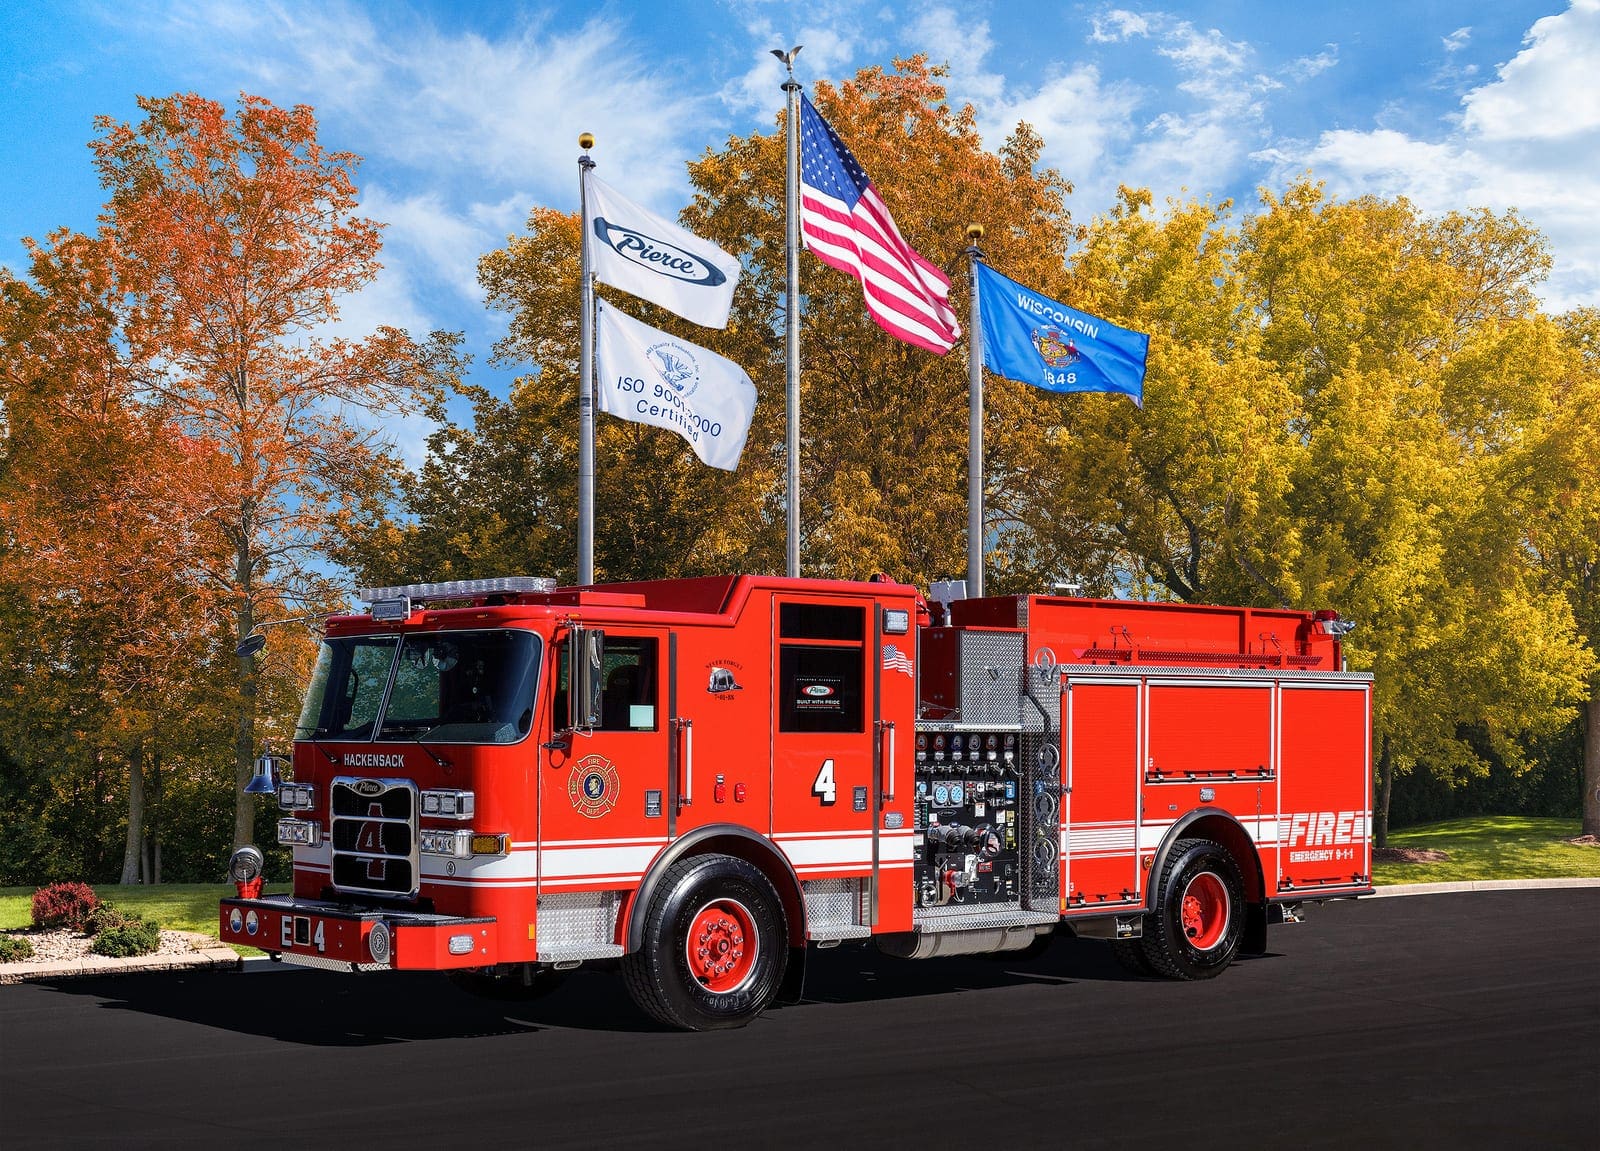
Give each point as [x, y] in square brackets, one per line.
[443, 687]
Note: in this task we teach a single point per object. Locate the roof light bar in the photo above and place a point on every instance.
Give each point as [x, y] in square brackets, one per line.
[460, 589]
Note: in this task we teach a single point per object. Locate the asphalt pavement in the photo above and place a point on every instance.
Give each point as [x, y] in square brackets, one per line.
[1458, 1020]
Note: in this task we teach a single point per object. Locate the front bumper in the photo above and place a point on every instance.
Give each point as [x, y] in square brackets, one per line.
[323, 934]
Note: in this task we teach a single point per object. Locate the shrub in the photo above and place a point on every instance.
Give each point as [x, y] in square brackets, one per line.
[64, 905]
[135, 936]
[12, 949]
[107, 916]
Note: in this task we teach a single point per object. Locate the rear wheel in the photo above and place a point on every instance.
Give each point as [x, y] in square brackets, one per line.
[1129, 954]
[1199, 919]
[715, 946]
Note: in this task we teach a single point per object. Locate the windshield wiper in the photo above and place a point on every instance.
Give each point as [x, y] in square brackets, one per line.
[433, 755]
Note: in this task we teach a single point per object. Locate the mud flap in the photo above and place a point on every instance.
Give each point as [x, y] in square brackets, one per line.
[792, 988]
[1255, 930]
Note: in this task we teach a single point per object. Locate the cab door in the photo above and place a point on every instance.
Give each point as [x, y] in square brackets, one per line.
[603, 811]
[825, 736]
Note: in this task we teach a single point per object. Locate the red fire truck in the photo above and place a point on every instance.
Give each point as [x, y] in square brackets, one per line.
[699, 779]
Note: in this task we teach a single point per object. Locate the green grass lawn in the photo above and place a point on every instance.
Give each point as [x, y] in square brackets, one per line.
[175, 906]
[1492, 847]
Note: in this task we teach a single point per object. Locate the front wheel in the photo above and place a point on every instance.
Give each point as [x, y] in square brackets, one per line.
[1197, 925]
[715, 946]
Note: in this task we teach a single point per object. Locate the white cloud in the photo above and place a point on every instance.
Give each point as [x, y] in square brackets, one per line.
[455, 104]
[1527, 140]
[1305, 67]
[1117, 25]
[1549, 89]
[1457, 40]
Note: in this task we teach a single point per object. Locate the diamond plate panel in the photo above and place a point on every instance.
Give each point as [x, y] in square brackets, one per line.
[834, 908]
[578, 925]
[991, 677]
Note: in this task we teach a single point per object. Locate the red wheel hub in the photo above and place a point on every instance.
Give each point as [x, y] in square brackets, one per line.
[722, 947]
[1205, 909]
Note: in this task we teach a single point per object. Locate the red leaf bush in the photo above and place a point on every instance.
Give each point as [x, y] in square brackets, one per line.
[64, 905]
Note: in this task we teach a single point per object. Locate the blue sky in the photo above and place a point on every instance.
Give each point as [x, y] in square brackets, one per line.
[468, 114]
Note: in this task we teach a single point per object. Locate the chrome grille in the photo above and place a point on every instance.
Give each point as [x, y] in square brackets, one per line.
[373, 833]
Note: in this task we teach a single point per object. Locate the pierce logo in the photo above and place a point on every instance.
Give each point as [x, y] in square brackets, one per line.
[818, 689]
[657, 255]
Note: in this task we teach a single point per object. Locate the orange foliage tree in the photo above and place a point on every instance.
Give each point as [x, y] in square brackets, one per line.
[103, 521]
[239, 427]
[232, 240]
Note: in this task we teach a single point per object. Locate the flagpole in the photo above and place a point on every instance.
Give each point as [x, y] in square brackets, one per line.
[585, 377]
[974, 423]
[791, 308]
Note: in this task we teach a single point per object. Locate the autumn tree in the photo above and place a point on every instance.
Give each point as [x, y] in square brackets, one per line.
[1348, 404]
[103, 518]
[226, 245]
[1564, 465]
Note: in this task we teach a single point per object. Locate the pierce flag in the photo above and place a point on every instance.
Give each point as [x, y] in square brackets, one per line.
[652, 377]
[640, 252]
[848, 226]
[1036, 340]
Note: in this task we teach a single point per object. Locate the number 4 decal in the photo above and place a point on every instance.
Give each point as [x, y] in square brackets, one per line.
[823, 787]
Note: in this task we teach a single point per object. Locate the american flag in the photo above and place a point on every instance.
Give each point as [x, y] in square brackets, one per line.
[847, 226]
[895, 660]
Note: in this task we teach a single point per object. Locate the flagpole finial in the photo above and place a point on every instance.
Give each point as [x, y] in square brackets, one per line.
[788, 59]
[974, 232]
[586, 140]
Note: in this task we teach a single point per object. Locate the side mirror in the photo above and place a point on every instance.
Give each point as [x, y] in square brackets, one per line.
[585, 658]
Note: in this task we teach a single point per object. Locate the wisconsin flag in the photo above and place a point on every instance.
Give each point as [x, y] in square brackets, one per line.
[1035, 340]
[651, 377]
[640, 252]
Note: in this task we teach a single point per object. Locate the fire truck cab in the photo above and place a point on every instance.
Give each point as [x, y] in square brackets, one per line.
[699, 779]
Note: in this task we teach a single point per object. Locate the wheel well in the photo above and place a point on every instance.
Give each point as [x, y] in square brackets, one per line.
[1222, 828]
[739, 842]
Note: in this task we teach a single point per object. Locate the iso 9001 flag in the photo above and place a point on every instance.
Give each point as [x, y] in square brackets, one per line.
[847, 226]
[651, 377]
[1035, 340]
[636, 250]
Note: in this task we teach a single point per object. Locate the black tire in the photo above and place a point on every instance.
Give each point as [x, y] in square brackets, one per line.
[521, 983]
[1201, 946]
[724, 907]
[1130, 956]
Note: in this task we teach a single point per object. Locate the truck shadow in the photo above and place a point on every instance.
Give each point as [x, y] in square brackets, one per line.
[328, 1009]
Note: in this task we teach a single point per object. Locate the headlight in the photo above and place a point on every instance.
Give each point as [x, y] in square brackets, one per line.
[448, 804]
[299, 832]
[432, 841]
[296, 796]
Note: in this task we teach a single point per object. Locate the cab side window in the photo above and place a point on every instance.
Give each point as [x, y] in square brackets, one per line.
[821, 667]
[631, 681]
[628, 701]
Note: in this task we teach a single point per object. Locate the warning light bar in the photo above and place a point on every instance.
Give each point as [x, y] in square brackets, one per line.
[414, 593]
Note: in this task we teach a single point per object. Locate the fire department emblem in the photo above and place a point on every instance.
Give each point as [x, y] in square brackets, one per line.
[593, 786]
[1055, 347]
